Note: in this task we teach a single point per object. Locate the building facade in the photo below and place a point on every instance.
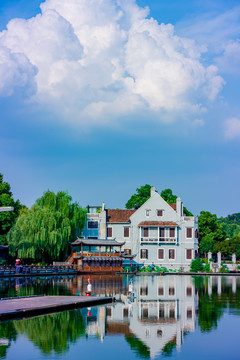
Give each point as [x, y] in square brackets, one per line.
[157, 232]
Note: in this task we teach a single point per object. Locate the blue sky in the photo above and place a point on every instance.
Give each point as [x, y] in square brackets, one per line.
[99, 100]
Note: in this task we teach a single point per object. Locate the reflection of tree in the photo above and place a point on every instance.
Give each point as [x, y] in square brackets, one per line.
[211, 307]
[53, 332]
[138, 346]
[8, 333]
[168, 348]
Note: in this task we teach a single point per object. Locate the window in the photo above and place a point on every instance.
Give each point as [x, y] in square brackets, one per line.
[126, 232]
[161, 311]
[145, 232]
[92, 224]
[92, 237]
[159, 212]
[160, 291]
[145, 313]
[189, 313]
[172, 233]
[171, 254]
[128, 251]
[109, 232]
[189, 291]
[161, 233]
[159, 333]
[189, 233]
[160, 254]
[125, 312]
[143, 254]
[172, 313]
[171, 291]
[189, 254]
[143, 290]
[109, 311]
[196, 234]
[147, 212]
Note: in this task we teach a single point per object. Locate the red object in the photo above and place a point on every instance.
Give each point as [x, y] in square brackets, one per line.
[87, 294]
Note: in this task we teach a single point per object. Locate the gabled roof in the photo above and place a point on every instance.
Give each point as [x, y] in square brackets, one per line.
[119, 215]
[158, 223]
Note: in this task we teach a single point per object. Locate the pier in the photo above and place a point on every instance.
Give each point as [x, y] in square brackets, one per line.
[39, 305]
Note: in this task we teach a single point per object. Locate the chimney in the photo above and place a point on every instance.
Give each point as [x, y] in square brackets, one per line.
[103, 206]
[179, 206]
[153, 191]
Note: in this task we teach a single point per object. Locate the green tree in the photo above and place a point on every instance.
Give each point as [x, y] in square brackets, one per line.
[210, 232]
[43, 232]
[142, 195]
[196, 265]
[7, 219]
[170, 198]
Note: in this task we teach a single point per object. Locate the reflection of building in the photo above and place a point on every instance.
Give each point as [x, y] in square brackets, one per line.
[156, 232]
[163, 310]
[158, 313]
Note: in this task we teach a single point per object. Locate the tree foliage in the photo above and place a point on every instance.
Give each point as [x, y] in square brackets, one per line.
[231, 224]
[170, 198]
[211, 232]
[143, 194]
[7, 219]
[43, 232]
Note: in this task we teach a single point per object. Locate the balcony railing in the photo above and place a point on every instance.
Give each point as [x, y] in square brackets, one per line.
[158, 240]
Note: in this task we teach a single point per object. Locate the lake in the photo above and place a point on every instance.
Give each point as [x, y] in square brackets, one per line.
[154, 317]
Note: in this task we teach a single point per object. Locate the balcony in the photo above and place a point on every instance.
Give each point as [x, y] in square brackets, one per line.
[168, 240]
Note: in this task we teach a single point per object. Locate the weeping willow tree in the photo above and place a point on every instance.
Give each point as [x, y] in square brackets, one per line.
[43, 232]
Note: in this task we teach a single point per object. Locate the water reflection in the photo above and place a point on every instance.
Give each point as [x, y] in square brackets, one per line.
[153, 314]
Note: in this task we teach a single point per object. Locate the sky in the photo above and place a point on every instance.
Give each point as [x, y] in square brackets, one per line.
[101, 97]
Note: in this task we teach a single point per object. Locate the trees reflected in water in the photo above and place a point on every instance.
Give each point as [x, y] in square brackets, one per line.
[53, 332]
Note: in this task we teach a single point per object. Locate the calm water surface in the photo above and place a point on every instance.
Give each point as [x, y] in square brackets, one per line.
[178, 317]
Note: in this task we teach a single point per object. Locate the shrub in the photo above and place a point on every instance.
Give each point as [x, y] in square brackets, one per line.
[196, 265]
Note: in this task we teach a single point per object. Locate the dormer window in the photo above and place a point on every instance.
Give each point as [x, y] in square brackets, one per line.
[159, 212]
[147, 212]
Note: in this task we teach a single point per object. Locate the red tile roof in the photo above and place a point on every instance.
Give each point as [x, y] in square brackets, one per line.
[158, 223]
[118, 215]
[174, 206]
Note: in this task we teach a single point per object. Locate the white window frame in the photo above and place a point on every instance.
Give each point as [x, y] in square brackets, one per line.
[160, 248]
[160, 216]
[174, 254]
[192, 232]
[147, 212]
[191, 254]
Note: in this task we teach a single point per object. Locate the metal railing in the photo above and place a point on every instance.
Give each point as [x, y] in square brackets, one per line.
[158, 240]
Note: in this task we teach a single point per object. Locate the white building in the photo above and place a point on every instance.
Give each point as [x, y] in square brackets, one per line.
[157, 232]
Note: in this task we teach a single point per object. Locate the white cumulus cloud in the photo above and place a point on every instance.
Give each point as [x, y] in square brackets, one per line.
[232, 128]
[94, 60]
